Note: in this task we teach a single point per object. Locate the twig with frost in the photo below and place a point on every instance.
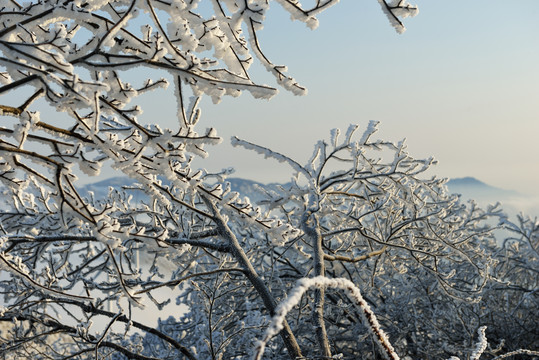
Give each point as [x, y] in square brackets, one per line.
[517, 352]
[481, 344]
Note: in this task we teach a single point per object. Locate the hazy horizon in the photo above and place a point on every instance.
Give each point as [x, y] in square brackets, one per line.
[461, 84]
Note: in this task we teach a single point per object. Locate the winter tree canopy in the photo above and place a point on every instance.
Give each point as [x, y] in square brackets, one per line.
[358, 256]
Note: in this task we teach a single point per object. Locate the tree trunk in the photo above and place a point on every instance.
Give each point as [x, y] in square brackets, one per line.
[269, 302]
[312, 230]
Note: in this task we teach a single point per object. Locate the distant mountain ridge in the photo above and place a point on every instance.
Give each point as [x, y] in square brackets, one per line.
[513, 202]
[466, 181]
[468, 187]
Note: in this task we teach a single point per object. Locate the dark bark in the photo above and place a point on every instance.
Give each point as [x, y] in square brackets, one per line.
[236, 250]
[311, 227]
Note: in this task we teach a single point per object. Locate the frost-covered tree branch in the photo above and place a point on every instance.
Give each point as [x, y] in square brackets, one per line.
[353, 293]
[77, 267]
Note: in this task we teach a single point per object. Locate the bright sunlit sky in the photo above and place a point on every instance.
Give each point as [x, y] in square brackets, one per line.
[461, 84]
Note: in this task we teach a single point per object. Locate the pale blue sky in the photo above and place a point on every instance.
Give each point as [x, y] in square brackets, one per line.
[461, 84]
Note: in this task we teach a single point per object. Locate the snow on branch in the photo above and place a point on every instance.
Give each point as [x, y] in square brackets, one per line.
[268, 153]
[517, 352]
[396, 10]
[481, 345]
[16, 267]
[354, 294]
